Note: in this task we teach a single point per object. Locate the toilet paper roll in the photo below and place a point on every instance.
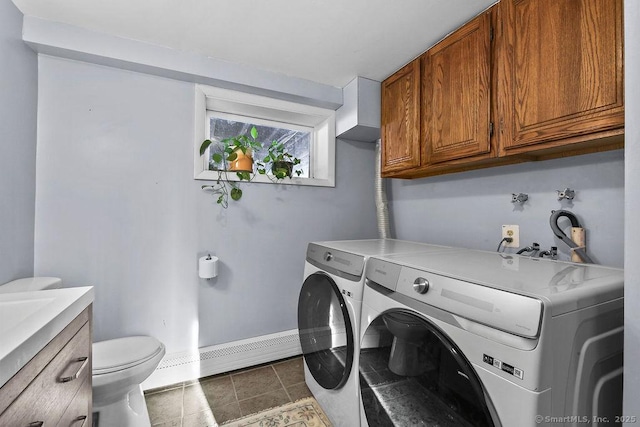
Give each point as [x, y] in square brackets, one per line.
[208, 267]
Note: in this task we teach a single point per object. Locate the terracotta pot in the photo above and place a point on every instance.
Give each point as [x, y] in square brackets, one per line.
[243, 162]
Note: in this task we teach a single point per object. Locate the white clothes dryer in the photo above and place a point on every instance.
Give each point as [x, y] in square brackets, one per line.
[329, 312]
[475, 338]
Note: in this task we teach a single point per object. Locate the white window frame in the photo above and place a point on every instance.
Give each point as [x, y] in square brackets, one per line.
[321, 120]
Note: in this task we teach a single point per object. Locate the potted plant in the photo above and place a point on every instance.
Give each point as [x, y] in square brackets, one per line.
[282, 162]
[236, 155]
[236, 152]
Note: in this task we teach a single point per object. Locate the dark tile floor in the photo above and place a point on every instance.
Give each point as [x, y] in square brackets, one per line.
[214, 400]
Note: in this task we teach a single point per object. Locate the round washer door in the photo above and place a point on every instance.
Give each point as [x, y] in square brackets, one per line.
[326, 334]
[411, 373]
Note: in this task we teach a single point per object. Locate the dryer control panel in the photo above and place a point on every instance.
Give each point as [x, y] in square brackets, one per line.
[510, 312]
[343, 264]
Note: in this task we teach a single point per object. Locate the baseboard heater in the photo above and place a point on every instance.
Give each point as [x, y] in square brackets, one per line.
[186, 366]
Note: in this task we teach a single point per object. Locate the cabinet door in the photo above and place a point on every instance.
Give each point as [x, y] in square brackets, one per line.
[456, 94]
[563, 71]
[401, 119]
[61, 379]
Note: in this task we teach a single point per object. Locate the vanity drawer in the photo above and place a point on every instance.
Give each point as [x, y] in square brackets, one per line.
[47, 397]
[78, 413]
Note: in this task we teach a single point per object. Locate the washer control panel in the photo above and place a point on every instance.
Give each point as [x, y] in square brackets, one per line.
[517, 314]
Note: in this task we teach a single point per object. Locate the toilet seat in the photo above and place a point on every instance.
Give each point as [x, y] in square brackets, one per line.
[124, 353]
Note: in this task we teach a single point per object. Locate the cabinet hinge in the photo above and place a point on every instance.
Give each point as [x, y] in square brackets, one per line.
[490, 129]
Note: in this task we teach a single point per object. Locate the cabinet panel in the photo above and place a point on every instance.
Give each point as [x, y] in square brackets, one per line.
[563, 71]
[16, 385]
[401, 119]
[78, 413]
[456, 94]
[53, 389]
[546, 77]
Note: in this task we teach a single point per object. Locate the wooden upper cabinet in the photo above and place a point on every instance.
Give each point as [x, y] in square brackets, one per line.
[525, 80]
[561, 74]
[400, 119]
[456, 94]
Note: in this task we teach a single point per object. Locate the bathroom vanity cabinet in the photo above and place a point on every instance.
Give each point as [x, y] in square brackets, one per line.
[54, 387]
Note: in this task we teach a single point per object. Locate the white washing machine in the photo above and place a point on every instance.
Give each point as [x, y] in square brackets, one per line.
[329, 311]
[475, 338]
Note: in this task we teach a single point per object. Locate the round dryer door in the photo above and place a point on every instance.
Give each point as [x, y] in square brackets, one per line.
[326, 334]
[411, 373]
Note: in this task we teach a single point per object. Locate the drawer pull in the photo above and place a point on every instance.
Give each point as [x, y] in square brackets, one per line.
[82, 418]
[36, 424]
[75, 376]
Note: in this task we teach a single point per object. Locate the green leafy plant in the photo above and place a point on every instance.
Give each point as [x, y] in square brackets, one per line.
[282, 162]
[229, 149]
[232, 146]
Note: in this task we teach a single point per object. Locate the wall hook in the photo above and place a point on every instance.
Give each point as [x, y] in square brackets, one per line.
[519, 198]
[567, 193]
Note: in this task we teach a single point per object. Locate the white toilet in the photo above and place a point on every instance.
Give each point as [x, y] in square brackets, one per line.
[119, 366]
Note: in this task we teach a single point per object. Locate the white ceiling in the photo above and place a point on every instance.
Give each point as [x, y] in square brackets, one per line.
[326, 41]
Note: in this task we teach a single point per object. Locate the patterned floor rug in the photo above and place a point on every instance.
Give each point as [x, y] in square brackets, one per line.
[303, 413]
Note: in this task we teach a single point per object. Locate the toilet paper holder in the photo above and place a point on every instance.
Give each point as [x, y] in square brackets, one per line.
[208, 267]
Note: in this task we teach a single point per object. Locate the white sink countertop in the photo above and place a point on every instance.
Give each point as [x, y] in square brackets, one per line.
[29, 320]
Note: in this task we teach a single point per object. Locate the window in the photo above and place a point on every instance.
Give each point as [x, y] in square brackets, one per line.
[296, 139]
[307, 132]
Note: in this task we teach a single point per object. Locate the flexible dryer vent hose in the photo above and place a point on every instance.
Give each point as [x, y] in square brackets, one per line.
[382, 210]
[553, 222]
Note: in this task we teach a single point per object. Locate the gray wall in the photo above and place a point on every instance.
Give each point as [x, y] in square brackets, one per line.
[18, 97]
[632, 207]
[117, 207]
[468, 209]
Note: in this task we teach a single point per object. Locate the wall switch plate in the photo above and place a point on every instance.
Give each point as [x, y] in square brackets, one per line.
[512, 231]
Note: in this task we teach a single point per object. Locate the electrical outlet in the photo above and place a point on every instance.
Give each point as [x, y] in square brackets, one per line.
[512, 231]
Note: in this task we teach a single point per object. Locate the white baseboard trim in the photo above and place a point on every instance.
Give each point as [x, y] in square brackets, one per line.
[186, 366]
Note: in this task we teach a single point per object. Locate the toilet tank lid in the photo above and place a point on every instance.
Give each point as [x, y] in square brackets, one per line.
[31, 284]
[121, 353]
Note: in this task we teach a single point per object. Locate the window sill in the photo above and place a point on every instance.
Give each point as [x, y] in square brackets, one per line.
[231, 176]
